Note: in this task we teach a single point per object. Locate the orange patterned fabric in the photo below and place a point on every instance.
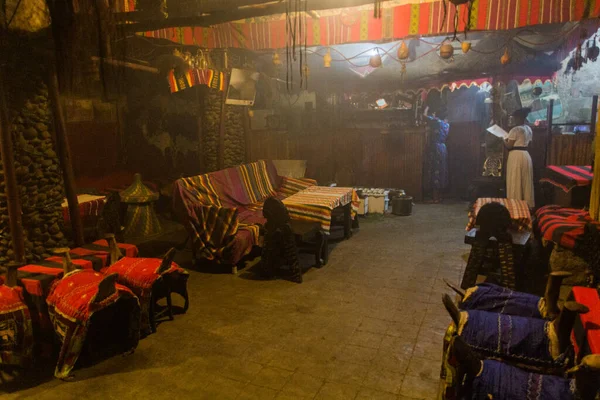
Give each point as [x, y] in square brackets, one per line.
[71, 305]
[16, 331]
[316, 203]
[518, 209]
[140, 275]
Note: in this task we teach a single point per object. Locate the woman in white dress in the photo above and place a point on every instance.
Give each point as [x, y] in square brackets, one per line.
[519, 168]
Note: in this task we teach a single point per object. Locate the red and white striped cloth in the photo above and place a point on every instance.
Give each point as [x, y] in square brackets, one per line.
[89, 205]
[518, 209]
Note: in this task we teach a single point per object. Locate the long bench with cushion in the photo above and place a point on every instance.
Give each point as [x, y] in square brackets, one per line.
[222, 210]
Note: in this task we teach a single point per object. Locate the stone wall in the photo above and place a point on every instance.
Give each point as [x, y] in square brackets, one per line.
[234, 152]
[37, 169]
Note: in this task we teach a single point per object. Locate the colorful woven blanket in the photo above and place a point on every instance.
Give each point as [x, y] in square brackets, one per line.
[183, 80]
[498, 299]
[140, 275]
[567, 177]
[530, 341]
[210, 205]
[316, 203]
[16, 331]
[563, 226]
[71, 305]
[519, 212]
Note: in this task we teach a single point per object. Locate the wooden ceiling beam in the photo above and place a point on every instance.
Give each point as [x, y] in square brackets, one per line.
[219, 17]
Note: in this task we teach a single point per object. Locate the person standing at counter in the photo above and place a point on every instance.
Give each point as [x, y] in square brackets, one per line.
[436, 162]
[519, 167]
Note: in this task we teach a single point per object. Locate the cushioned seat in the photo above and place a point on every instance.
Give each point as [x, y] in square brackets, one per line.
[218, 207]
[16, 332]
[82, 296]
[152, 279]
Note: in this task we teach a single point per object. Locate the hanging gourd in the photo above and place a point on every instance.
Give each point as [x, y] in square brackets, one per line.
[327, 59]
[375, 61]
[446, 51]
[505, 59]
[403, 51]
[465, 46]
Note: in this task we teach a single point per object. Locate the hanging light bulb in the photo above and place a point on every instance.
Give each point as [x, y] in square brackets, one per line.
[276, 59]
[466, 46]
[403, 51]
[305, 71]
[505, 59]
[327, 59]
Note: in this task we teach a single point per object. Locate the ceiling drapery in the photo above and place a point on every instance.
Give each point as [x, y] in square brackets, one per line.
[357, 24]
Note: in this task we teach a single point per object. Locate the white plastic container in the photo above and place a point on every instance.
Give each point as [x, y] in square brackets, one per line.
[376, 204]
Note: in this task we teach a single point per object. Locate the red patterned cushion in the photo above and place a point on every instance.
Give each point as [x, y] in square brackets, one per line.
[70, 305]
[16, 332]
[140, 274]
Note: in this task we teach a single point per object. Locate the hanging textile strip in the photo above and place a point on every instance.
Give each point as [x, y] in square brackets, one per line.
[567, 177]
[358, 23]
[179, 81]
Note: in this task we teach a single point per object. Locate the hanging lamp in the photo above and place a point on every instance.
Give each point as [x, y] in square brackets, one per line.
[327, 59]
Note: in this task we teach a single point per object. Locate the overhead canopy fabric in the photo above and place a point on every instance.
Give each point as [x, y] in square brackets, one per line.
[357, 24]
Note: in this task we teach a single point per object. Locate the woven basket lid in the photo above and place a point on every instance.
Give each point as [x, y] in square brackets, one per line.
[138, 192]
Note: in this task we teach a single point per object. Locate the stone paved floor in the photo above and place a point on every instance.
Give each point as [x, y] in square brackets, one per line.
[369, 325]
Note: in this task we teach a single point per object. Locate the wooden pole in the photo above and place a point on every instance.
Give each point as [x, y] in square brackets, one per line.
[594, 114]
[201, 161]
[221, 145]
[64, 155]
[11, 189]
[549, 132]
[595, 195]
[247, 132]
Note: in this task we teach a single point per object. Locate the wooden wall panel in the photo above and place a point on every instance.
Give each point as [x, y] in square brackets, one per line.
[359, 157]
[571, 150]
[465, 158]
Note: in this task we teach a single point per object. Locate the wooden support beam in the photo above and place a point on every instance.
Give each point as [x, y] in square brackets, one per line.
[240, 13]
[64, 155]
[247, 134]
[11, 189]
[125, 64]
[548, 144]
[222, 121]
[200, 133]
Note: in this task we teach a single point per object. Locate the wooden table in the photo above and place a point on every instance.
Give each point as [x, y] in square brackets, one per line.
[89, 206]
[518, 209]
[316, 204]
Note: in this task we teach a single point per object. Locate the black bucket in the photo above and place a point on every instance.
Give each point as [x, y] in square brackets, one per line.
[402, 205]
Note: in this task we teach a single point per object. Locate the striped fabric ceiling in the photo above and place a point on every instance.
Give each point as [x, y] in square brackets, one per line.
[399, 20]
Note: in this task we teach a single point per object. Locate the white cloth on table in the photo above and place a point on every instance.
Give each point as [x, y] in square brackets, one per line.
[519, 168]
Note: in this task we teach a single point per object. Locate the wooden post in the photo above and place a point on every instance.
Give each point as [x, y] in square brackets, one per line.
[595, 195]
[549, 132]
[11, 189]
[64, 155]
[247, 133]
[594, 114]
[201, 161]
[221, 143]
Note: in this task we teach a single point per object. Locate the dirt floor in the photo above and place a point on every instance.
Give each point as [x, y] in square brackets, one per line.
[369, 325]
